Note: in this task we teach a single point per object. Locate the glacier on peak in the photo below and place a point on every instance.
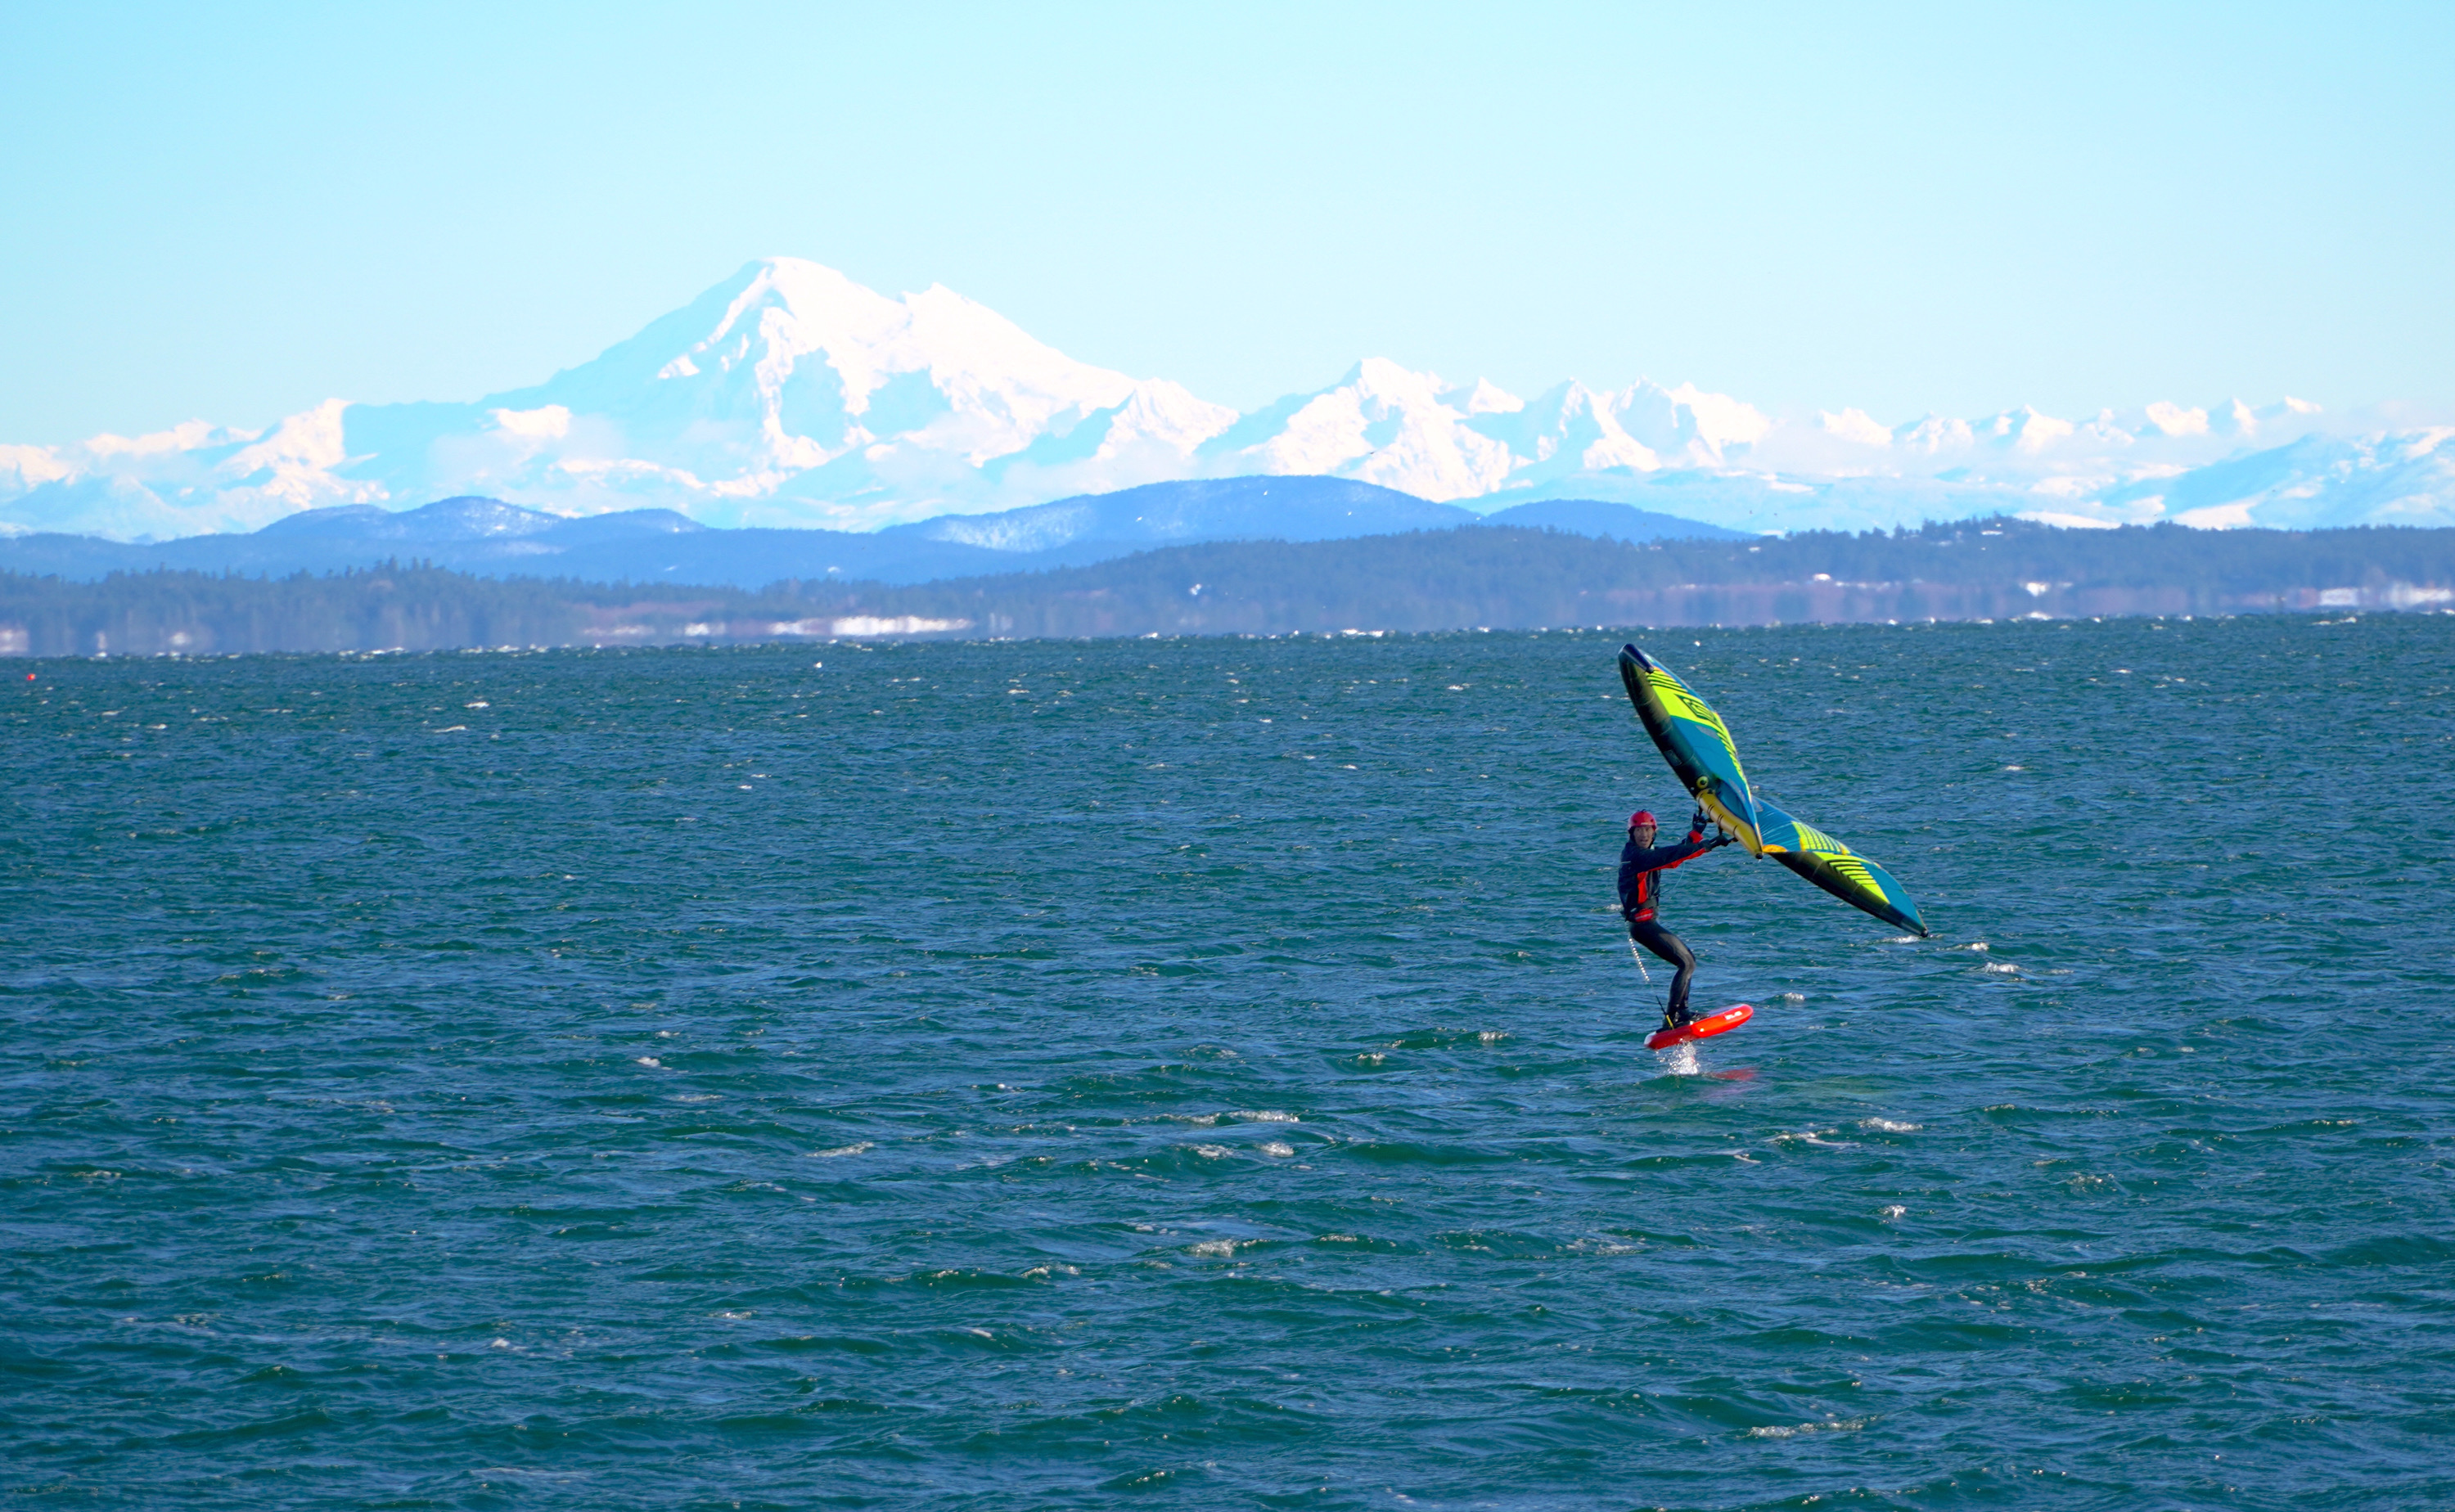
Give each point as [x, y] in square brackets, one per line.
[2024, 430]
[789, 394]
[1381, 424]
[1854, 426]
[2173, 420]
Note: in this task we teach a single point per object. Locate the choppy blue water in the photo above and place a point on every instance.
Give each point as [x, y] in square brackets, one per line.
[1208, 1074]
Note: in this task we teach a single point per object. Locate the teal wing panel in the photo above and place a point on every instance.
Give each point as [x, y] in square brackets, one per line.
[1693, 741]
[1835, 868]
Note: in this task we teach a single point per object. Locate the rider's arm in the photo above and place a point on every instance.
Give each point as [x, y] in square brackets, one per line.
[1663, 858]
[1696, 844]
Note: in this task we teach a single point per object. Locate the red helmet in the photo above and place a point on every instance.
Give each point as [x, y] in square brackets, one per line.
[1640, 817]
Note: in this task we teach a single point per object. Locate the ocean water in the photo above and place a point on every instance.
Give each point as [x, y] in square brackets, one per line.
[1208, 1074]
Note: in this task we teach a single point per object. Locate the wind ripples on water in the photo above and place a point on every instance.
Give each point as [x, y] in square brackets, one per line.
[1054, 1073]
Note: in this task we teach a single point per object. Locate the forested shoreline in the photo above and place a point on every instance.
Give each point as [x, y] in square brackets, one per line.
[1488, 578]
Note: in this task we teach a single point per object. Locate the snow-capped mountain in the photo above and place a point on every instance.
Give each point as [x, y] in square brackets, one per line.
[2395, 478]
[1383, 424]
[790, 395]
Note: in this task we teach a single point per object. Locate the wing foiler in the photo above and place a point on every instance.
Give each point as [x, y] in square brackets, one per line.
[1698, 748]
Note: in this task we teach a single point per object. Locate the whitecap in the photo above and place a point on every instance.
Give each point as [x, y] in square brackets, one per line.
[1220, 1248]
[840, 1150]
[1278, 1148]
[1266, 1115]
[1817, 1138]
[2002, 968]
[651, 1062]
[1491, 1036]
[1895, 1209]
[1605, 1247]
[1888, 1126]
[1830, 1425]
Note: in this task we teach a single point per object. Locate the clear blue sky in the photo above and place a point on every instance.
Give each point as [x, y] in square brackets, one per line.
[233, 212]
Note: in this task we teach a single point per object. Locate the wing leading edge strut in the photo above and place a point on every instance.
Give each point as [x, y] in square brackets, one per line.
[1694, 739]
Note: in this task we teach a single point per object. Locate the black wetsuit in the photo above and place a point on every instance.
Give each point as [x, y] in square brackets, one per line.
[1640, 885]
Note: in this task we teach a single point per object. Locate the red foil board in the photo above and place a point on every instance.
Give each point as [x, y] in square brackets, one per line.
[1705, 1028]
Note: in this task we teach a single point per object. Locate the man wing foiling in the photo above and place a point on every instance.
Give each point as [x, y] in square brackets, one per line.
[1641, 865]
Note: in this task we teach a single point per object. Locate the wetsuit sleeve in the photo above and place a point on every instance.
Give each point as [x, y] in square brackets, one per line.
[1663, 858]
[1634, 861]
[1693, 845]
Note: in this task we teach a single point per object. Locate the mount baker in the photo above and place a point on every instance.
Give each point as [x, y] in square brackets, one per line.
[790, 395]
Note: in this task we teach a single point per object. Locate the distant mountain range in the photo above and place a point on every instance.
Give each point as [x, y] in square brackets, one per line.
[790, 396]
[497, 540]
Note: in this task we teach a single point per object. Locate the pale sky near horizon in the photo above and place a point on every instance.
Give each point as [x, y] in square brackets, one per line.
[232, 213]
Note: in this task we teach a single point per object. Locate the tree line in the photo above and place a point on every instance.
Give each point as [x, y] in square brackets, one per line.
[1518, 578]
[1495, 577]
[393, 606]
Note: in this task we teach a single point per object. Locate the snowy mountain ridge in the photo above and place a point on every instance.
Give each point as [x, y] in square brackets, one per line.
[789, 395]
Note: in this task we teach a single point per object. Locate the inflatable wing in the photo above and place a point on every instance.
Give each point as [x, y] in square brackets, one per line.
[1835, 868]
[1692, 740]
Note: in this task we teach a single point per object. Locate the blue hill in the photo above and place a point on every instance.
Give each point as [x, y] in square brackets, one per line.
[1605, 520]
[497, 540]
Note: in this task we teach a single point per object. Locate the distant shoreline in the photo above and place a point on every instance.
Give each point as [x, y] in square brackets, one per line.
[1497, 578]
